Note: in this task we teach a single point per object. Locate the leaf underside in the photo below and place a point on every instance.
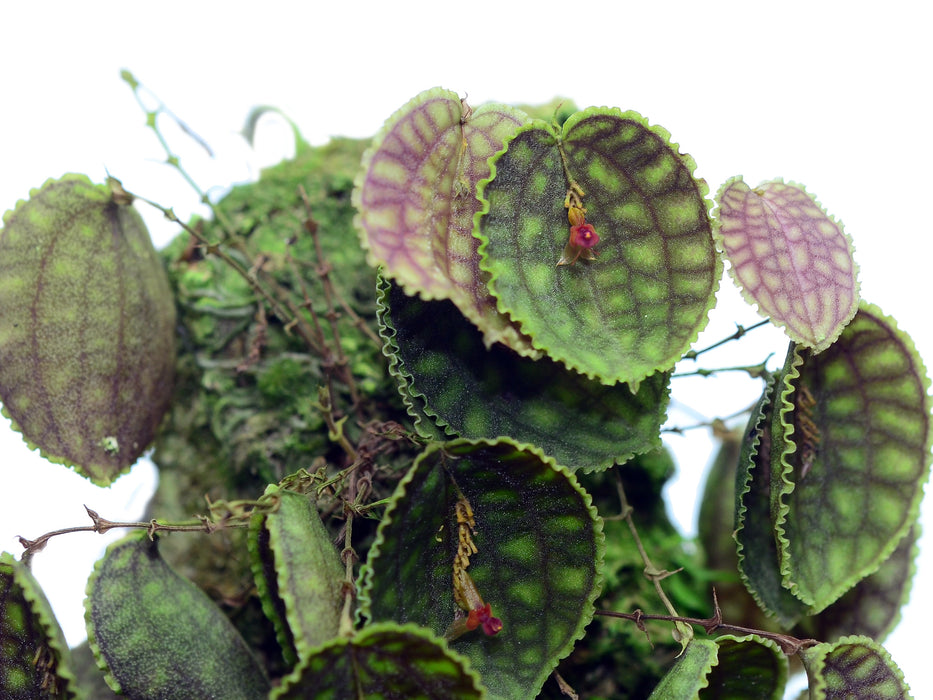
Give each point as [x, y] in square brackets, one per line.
[790, 258]
[298, 572]
[416, 198]
[156, 634]
[87, 333]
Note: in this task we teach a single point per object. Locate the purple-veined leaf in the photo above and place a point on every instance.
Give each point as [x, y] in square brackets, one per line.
[790, 258]
[416, 197]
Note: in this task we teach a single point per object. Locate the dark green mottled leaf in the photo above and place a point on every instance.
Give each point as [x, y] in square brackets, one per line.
[873, 606]
[87, 334]
[727, 668]
[157, 635]
[446, 374]
[757, 550]
[688, 676]
[716, 535]
[416, 201]
[540, 547]
[853, 667]
[748, 667]
[34, 658]
[383, 661]
[790, 258]
[846, 487]
[635, 308]
[298, 572]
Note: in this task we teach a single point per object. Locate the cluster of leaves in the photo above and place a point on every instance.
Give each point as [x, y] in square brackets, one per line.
[478, 424]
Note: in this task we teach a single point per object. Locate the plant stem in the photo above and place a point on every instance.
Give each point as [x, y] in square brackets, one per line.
[739, 332]
[789, 645]
[102, 525]
[684, 632]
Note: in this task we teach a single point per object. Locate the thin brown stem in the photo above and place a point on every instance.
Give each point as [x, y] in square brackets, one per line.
[652, 572]
[101, 525]
[323, 271]
[739, 332]
[789, 645]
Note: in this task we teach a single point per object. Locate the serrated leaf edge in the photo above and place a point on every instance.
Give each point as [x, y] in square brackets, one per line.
[815, 657]
[780, 509]
[721, 248]
[378, 628]
[40, 607]
[558, 134]
[364, 584]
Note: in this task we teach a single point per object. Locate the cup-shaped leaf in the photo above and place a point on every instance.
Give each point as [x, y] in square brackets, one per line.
[34, 658]
[750, 667]
[688, 675]
[445, 372]
[384, 660]
[87, 333]
[846, 486]
[790, 258]
[754, 533]
[731, 667]
[853, 667]
[632, 303]
[539, 549]
[297, 570]
[416, 200]
[156, 634]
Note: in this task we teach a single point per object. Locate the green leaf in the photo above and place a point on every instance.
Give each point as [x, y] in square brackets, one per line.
[728, 667]
[298, 572]
[383, 661]
[846, 487]
[540, 548]
[639, 305]
[416, 201]
[34, 658]
[750, 667]
[87, 334]
[790, 258]
[754, 533]
[688, 676]
[447, 376]
[252, 121]
[872, 607]
[853, 667]
[156, 634]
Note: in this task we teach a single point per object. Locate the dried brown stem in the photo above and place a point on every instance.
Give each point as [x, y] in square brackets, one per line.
[789, 645]
[101, 525]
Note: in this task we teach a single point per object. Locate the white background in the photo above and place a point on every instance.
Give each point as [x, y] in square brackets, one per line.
[833, 95]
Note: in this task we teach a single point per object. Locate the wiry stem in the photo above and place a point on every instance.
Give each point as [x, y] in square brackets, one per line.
[739, 332]
[235, 515]
[170, 157]
[684, 632]
[789, 645]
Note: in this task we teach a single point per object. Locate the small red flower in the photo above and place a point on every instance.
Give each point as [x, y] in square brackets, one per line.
[583, 236]
[483, 616]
